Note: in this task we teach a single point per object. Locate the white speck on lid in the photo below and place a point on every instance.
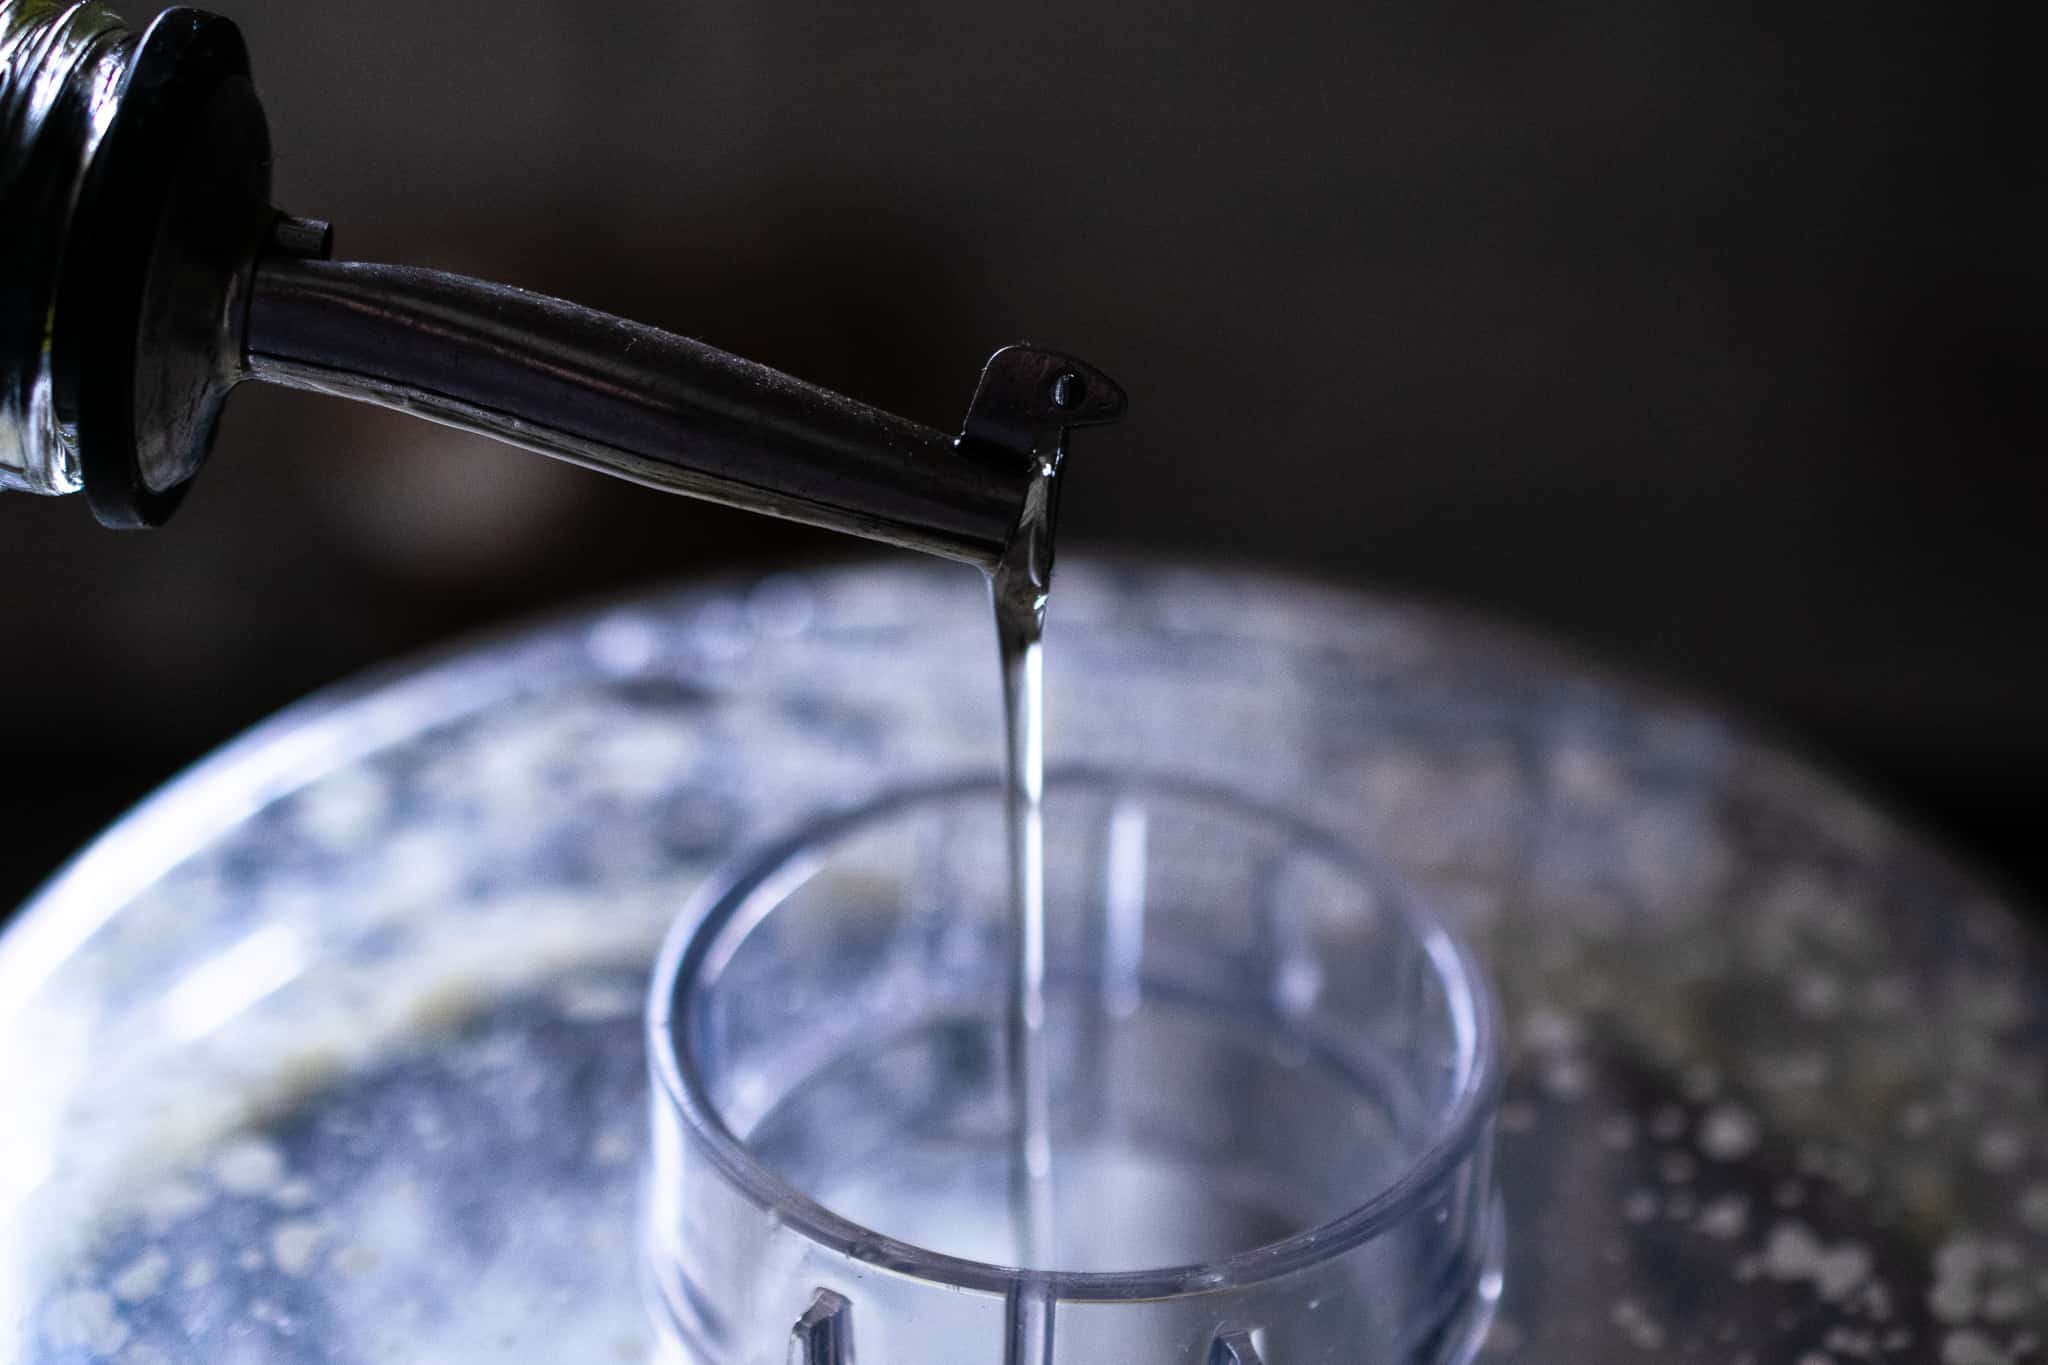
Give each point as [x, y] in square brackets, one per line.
[1971, 1348]
[86, 1317]
[1728, 1133]
[249, 1166]
[1794, 1253]
[143, 1277]
[1725, 1217]
[293, 1244]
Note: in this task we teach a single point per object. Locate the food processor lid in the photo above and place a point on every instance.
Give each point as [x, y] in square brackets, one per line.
[332, 1050]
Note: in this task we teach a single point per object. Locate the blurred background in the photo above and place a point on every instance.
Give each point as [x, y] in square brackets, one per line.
[1710, 337]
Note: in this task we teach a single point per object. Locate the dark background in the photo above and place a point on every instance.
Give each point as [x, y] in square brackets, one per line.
[1711, 336]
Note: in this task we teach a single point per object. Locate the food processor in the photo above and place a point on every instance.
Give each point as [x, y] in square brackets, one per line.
[626, 987]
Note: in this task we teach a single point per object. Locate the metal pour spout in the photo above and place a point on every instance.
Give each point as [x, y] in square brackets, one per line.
[144, 274]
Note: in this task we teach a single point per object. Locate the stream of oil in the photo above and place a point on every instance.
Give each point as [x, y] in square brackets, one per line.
[1018, 587]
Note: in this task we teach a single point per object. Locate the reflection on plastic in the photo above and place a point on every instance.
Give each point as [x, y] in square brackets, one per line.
[224, 985]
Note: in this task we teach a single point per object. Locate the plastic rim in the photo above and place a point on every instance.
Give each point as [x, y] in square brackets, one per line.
[731, 893]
